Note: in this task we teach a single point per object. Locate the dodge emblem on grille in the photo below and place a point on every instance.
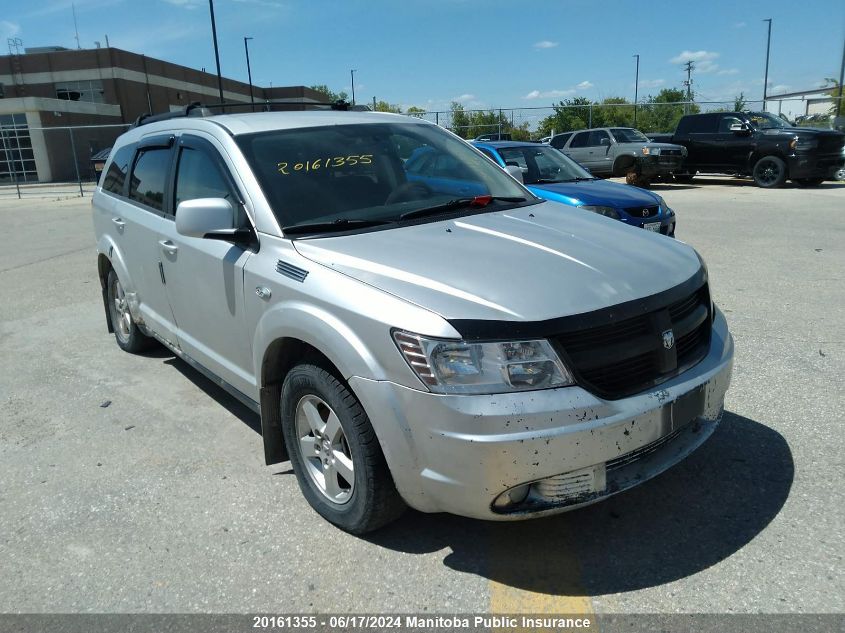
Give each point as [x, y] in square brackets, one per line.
[668, 339]
[645, 213]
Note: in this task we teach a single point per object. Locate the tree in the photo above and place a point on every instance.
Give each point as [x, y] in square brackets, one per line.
[415, 111]
[662, 112]
[384, 106]
[570, 114]
[836, 93]
[330, 94]
[739, 102]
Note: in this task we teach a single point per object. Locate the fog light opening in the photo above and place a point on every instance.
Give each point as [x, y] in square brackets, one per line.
[513, 497]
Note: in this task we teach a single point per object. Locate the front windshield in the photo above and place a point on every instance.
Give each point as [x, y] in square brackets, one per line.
[766, 121]
[372, 173]
[628, 135]
[543, 164]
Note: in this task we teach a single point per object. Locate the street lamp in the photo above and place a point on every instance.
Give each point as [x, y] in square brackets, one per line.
[352, 74]
[636, 88]
[766, 76]
[249, 72]
[216, 52]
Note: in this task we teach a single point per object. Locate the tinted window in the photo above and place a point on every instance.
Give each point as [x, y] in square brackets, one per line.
[597, 136]
[200, 177]
[149, 177]
[488, 154]
[726, 123]
[559, 140]
[580, 140]
[118, 168]
[698, 124]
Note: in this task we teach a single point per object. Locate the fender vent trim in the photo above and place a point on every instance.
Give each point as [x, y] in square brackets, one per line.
[289, 270]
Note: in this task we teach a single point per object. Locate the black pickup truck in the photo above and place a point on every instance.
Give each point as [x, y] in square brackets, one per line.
[756, 144]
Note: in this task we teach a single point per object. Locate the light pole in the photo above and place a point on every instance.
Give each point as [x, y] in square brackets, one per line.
[766, 76]
[249, 72]
[636, 88]
[352, 74]
[216, 52]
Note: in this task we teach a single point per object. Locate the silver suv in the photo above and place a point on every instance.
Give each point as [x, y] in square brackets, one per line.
[440, 339]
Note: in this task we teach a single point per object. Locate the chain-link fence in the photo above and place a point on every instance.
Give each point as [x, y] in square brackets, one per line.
[62, 161]
[537, 122]
[52, 161]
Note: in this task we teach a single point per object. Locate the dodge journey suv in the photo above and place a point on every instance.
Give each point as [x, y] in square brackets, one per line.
[476, 350]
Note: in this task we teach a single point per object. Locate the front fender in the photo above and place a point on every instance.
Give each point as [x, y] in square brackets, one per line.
[320, 329]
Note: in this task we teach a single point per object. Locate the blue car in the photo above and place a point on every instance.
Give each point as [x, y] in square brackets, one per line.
[551, 175]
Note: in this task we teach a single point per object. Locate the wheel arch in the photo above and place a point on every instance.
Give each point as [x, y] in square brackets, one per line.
[623, 163]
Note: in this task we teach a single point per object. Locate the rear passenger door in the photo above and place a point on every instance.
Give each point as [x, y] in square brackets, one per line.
[205, 277]
[138, 217]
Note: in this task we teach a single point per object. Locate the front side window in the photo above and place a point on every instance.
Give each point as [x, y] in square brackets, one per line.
[149, 177]
[118, 168]
[377, 173]
[199, 176]
[541, 165]
[599, 137]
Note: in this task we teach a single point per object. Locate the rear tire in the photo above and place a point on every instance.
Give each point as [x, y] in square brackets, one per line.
[127, 334]
[335, 453]
[769, 172]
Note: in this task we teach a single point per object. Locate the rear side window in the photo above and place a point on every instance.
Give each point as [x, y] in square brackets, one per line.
[559, 140]
[118, 168]
[488, 154]
[698, 124]
[149, 177]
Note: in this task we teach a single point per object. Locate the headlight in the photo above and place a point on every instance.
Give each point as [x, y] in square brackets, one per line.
[664, 208]
[651, 151]
[609, 212]
[447, 366]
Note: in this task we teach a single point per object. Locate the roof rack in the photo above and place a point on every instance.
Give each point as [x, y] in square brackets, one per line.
[197, 109]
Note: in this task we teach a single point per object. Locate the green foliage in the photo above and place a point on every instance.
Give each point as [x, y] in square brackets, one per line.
[470, 124]
[739, 102]
[331, 95]
[415, 111]
[836, 93]
[384, 106]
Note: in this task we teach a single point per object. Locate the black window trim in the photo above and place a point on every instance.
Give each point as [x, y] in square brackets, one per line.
[166, 202]
[124, 192]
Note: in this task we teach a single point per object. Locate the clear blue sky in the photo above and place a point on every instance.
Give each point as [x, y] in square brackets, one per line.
[484, 53]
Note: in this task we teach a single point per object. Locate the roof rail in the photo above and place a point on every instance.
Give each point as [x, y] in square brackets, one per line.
[192, 109]
[198, 109]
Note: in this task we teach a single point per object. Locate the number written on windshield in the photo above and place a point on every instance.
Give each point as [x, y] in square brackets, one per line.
[313, 165]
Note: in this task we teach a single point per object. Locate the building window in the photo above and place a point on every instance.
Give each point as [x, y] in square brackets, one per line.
[17, 161]
[90, 91]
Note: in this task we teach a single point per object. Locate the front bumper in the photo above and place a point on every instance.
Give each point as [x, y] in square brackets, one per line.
[813, 165]
[660, 165]
[459, 454]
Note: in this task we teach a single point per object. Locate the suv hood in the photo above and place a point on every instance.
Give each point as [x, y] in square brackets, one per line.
[525, 264]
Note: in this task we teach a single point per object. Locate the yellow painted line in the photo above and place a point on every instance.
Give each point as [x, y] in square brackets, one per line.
[533, 569]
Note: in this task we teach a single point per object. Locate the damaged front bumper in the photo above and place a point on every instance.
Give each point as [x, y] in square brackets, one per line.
[516, 455]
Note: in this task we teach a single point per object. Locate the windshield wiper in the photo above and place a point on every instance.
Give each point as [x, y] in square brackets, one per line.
[577, 179]
[341, 224]
[477, 201]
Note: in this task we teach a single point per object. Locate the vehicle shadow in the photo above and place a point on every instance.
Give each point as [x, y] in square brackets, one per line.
[690, 518]
[215, 392]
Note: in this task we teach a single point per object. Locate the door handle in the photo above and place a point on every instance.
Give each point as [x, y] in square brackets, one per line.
[168, 246]
[119, 223]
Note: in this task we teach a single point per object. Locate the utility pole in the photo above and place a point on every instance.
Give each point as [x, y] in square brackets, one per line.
[374, 104]
[636, 88]
[216, 51]
[688, 84]
[841, 77]
[75, 26]
[766, 76]
[249, 72]
[352, 74]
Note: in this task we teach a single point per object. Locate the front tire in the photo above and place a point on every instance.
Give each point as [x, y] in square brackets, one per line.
[769, 172]
[335, 453]
[127, 334]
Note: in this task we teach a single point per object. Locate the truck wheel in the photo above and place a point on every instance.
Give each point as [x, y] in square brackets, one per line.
[809, 182]
[129, 338]
[769, 172]
[637, 179]
[335, 453]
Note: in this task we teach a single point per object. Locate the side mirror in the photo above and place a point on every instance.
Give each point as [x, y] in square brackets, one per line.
[604, 141]
[738, 128]
[515, 172]
[200, 217]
